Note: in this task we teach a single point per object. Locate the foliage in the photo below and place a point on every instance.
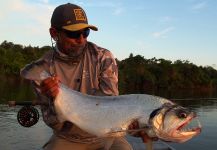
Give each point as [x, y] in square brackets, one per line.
[136, 74]
[139, 75]
[14, 56]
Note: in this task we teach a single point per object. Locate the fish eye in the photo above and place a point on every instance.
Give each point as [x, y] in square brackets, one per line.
[182, 115]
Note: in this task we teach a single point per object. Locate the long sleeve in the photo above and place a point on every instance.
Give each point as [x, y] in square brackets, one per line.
[108, 81]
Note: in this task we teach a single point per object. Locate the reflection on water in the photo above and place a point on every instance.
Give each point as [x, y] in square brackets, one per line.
[13, 136]
[12, 88]
[207, 113]
[15, 88]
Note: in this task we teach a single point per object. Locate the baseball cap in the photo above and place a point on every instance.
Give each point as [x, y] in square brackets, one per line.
[70, 17]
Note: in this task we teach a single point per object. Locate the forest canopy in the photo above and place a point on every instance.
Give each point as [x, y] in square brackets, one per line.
[136, 73]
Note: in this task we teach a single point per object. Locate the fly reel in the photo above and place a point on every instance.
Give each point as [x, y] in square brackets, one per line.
[27, 116]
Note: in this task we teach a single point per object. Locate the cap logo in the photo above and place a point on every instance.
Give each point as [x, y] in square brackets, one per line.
[79, 14]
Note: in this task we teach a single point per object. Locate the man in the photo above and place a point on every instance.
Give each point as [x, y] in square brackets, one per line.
[82, 66]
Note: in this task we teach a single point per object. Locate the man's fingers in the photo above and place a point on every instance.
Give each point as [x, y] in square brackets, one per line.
[154, 138]
[50, 86]
[142, 134]
[146, 138]
[53, 91]
[49, 81]
[134, 125]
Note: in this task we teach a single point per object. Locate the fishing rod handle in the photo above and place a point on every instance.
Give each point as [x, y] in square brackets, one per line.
[23, 103]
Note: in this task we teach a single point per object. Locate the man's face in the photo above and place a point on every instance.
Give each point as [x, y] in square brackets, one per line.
[72, 43]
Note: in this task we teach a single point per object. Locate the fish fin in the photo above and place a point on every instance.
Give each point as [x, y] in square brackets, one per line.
[34, 72]
[119, 133]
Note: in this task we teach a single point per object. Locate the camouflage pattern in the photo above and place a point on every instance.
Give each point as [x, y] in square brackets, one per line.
[95, 72]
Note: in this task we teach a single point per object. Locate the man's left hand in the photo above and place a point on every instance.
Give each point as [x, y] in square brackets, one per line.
[142, 134]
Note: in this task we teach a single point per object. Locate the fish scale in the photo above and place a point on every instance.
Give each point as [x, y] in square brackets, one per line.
[111, 115]
[103, 114]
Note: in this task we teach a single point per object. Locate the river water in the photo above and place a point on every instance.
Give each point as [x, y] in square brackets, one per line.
[207, 112]
[15, 137]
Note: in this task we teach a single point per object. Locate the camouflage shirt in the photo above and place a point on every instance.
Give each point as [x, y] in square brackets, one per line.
[94, 72]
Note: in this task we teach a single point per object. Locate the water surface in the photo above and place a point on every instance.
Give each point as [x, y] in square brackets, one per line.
[13, 136]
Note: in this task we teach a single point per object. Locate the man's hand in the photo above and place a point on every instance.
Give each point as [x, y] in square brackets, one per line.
[50, 86]
[142, 134]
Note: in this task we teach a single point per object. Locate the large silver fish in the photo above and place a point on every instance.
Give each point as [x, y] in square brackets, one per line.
[111, 115]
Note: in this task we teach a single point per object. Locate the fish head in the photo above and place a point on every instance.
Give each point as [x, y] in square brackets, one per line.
[174, 123]
[34, 72]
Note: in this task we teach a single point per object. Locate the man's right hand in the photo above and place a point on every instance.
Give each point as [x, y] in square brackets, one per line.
[50, 86]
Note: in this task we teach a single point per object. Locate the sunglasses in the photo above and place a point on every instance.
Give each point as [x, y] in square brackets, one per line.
[77, 34]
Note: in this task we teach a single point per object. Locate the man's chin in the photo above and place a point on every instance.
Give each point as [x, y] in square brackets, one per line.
[75, 51]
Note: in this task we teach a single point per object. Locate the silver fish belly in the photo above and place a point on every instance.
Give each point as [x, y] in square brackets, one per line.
[111, 115]
[101, 115]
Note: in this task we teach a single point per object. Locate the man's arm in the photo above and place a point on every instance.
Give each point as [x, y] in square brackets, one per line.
[108, 80]
[44, 95]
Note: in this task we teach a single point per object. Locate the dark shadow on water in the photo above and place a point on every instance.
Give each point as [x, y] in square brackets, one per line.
[15, 88]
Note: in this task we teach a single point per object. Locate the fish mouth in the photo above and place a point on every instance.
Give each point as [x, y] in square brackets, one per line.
[176, 124]
[186, 128]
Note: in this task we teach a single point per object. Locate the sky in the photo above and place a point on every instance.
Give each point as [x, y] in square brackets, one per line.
[168, 29]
